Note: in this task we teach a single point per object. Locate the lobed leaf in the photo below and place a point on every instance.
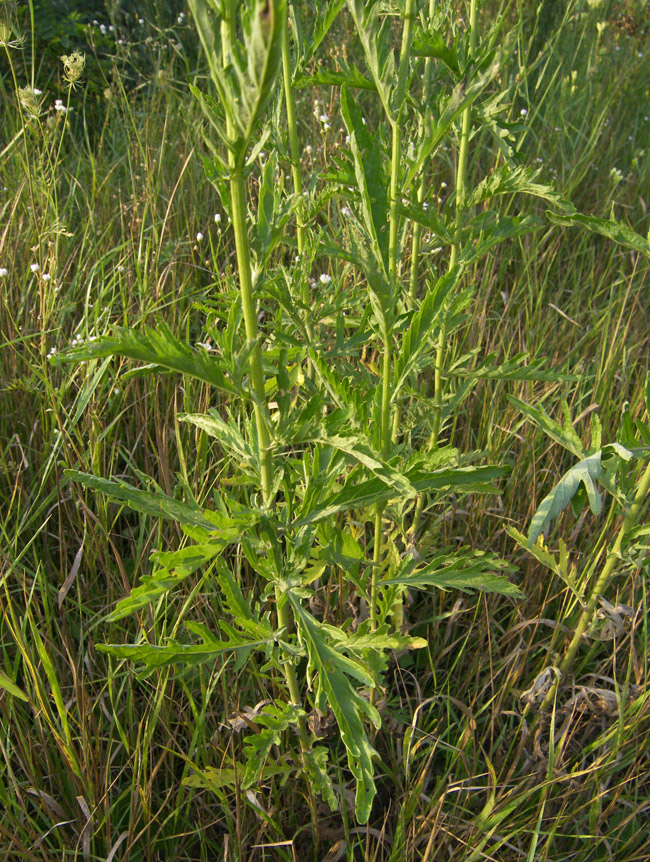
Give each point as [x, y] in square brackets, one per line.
[158, 347]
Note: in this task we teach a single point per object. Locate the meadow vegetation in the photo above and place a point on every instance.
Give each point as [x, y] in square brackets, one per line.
[325, 420]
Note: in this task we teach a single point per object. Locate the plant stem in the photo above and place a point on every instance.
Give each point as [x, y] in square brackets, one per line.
[461, 194]
[587, 615]
[393, 275]
[238, 204]
[426, 124]
[294, 148]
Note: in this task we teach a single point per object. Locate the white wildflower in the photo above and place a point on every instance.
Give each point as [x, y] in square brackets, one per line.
[34, 267]
[325, 278]
[199, 236]
[3, 272]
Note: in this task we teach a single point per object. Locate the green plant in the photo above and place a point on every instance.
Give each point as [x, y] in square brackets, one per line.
[328, 478]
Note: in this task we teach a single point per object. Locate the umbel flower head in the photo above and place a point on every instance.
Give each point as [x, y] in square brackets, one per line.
[7, 30]
[73, 66]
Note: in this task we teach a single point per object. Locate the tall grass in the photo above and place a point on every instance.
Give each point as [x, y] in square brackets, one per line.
[200, 761]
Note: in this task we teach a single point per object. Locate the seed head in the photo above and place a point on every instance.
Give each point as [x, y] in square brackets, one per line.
[73, 66]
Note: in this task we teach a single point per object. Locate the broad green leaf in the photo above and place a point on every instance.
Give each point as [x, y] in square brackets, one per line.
[359, 495]
[157, 504]
[328, 669]
[431, 43]
[350, 77]
[617, 231]
[538, 550]
[327, 13]
[585, 472]
[491, 230]
[159, 347]
[275, 718]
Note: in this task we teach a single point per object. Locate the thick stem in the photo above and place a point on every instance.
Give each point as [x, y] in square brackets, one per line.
[587, 615]
[238, 204]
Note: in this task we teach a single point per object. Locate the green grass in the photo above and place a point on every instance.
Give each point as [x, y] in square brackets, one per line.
[93, 761]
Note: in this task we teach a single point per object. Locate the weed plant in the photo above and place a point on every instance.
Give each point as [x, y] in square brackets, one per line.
[332, 601]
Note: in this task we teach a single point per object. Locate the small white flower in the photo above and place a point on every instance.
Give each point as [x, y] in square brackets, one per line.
[325, 278]
[37, 92]
[199, 236]
[34, 267]
[3, 272]
[323, 118]
[217, 218]
[204, 344]
[140, 20]
[46, 276]
[346, 211]
[523, 112]
[443, 185]
[309, 149]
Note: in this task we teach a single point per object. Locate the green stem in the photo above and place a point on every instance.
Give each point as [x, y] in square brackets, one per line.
[588, 613]
[461, 195]
[294, 147]
[238, 204]
[426, 124]
[393, 274]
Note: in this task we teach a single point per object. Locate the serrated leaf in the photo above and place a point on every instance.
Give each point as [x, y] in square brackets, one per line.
[518, 367]
[584, 472]
[431, 43]
[155, 656]
[315, 764]
[516, 180]
[417, 337]
[464, 573]
[329, 668]
[226, 432]
[620, 233]
[362, 453]
[176, 566]
[462, 96]
[158, 346]
[376, 39]
[157, 504]
[351, 76]
[539, 551]
[371, 180]
[359, 495]
[565, 434]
